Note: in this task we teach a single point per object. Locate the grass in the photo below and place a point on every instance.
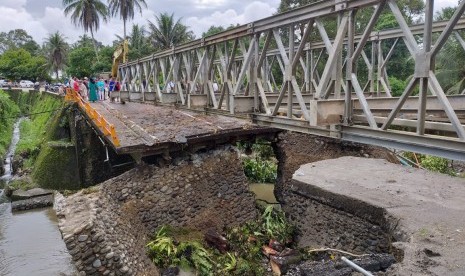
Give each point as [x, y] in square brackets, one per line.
[8, 111]
[34, 130]
[21, 184]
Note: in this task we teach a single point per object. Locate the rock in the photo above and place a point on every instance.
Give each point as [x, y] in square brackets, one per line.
[97, 263]
[170, 271]
[83, 238]
[109, 255]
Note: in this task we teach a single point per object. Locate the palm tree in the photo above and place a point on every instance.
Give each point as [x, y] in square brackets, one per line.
[56, 51]
[167, 32]
[87, 14]
[125, 8]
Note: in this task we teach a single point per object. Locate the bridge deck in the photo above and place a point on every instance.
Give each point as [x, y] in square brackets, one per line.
[147, 128]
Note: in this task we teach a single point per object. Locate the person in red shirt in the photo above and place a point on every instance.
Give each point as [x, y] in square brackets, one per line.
[76, 84]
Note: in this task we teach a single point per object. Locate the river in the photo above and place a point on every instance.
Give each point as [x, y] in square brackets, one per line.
[30, 242]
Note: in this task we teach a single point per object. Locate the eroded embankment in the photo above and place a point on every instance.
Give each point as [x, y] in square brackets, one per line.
[106, 227]
[370, 205]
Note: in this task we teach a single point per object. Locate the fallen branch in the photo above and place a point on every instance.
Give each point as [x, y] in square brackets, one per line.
[336, 250]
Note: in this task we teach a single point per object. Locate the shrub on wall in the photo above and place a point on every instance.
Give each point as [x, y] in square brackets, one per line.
[259, 170]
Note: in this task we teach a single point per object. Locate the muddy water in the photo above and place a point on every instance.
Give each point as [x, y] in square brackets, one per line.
[30, 242]
[263, 192]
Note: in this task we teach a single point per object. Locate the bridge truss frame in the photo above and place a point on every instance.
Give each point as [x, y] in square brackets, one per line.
[330, 102]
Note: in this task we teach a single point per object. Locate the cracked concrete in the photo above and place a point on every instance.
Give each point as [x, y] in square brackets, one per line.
[427, 209]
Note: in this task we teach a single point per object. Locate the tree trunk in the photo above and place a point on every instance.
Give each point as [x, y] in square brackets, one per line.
[124, 27]
[56, 73]
[95, 44]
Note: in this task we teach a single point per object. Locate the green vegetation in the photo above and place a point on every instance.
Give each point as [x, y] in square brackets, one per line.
[87, 14]
[8, 112]
[125, 9]
[17, 64]
[57, 50]
[21, 184]
[167, 32]
[33, 131]
[171, 248]
[259, 170]
[44, 152]
[260, 166]
[431, 163]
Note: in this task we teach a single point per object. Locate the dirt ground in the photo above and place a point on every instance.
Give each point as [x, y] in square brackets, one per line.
[428, 207]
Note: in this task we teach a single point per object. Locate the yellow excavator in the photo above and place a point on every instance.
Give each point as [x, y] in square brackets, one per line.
[120, 55]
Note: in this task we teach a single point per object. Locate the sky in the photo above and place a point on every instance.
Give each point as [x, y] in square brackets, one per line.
[43, 17]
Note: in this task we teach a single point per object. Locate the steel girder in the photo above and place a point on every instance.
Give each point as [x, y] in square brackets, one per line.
[274, 67]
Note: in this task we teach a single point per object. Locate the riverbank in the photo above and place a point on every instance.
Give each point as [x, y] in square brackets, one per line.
[30, 243]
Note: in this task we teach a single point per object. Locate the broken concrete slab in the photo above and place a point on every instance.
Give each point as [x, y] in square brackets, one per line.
[32, 203]
[36, 192]
[425, 209]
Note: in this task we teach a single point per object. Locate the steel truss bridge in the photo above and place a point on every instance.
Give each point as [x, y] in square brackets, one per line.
[275, 70]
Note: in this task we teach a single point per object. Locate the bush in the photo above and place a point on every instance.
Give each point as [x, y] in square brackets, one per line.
[259, 170]
[436, 164]
[431, 163]
[245, 256]
[397, 86]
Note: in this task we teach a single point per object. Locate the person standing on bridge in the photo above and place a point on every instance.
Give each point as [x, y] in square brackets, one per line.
[83, 90]
[75, 85]
[101, 89]
[93, 90]
[111, 87]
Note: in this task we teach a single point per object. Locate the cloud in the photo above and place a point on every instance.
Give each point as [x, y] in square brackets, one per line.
[43, 17]
[438, 5]
[253, 11]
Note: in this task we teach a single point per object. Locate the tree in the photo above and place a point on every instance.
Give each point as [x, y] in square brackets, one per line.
[125, 8]
[57, 51]
[166, 32]
[16, 39]
[87, 41]
[17, 64]
[450, 65]
[139, 43]
[104, 65]
[80, 62]
[213, 30]
[87, 14]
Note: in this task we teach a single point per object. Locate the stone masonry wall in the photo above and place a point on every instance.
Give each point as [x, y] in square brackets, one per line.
[321, 225]
[106, 227]
[103, 238]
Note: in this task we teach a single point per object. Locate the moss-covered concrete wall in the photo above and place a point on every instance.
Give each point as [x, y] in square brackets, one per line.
[56, 167]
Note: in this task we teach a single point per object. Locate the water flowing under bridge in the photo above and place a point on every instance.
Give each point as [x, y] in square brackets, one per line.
[289, 72]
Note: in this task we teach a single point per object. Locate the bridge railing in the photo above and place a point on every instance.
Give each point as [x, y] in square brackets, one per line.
[99, 121]
[291, 72]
